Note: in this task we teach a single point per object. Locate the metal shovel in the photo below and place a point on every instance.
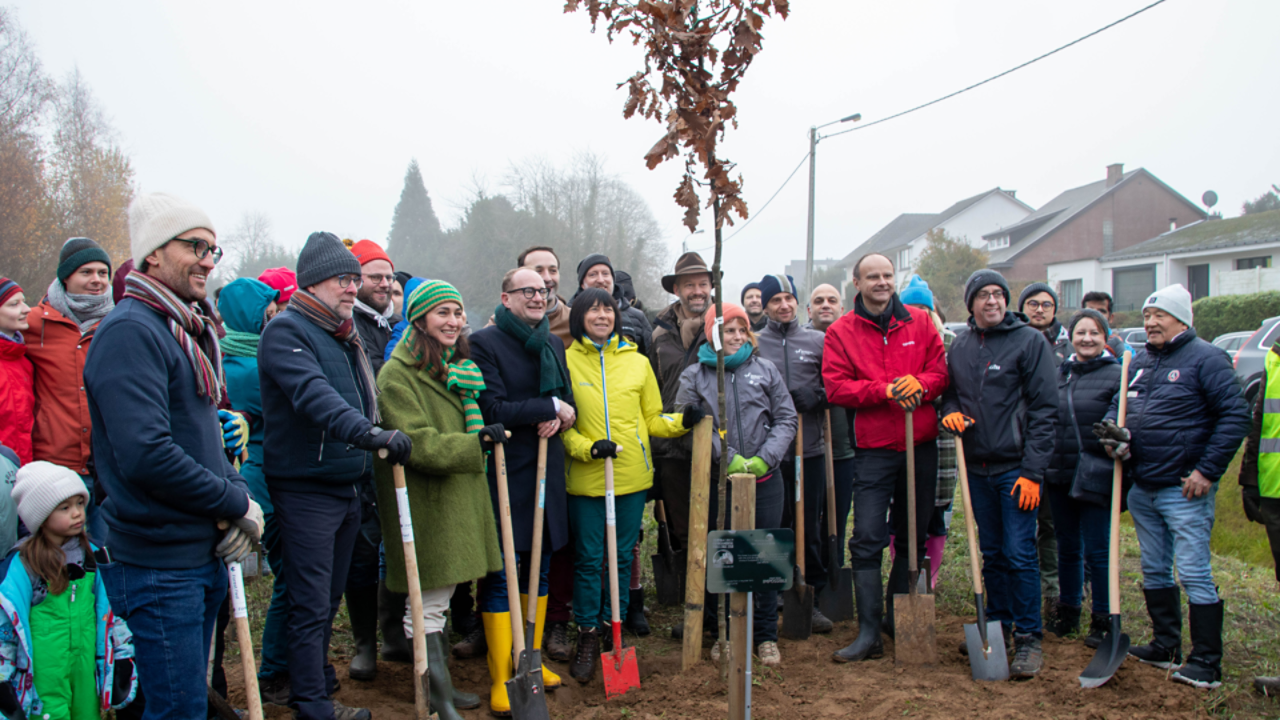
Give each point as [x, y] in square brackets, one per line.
[836, 602]
[621, 671]
[797, 603]
[913, 614]
[984, 639]
[1115, 644]
[668, 568]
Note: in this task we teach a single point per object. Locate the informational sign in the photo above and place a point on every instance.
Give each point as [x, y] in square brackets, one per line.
[750, 560]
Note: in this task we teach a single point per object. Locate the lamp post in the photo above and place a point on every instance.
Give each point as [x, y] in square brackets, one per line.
[813, 149]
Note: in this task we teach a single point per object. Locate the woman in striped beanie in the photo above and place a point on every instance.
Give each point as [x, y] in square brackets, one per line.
[429, 389]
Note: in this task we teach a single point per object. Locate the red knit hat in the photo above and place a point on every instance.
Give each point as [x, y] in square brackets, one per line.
[730, 311]
[366, 251]
[282, 279]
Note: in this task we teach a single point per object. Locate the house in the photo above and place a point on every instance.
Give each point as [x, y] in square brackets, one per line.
[1082, 224]
[1209, 257]
[904, 238]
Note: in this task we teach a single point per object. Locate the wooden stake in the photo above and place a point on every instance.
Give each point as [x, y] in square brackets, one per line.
[744, 518]
[696, 582]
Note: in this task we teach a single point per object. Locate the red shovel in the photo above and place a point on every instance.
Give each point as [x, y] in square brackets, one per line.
[621, 671]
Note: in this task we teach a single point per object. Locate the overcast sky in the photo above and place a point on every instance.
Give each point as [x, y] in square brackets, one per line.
[310, 112]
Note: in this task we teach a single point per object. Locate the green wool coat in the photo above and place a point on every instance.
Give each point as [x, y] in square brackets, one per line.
[453, 523]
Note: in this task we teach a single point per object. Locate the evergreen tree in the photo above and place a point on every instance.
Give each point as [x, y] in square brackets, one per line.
[415, 238]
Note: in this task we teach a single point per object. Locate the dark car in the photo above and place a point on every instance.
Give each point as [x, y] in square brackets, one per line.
[1250, 358]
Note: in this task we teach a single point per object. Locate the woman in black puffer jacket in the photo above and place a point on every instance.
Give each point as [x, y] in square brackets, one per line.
[1087, 382]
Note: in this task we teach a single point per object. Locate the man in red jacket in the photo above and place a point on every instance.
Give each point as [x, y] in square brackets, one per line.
[881, 360]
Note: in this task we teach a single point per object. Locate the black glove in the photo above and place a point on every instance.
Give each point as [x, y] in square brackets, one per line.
[9, 702]
[397, 444]
[122, 680]
[809, 400]
[494, 433]
[693, 415]
[604, 449]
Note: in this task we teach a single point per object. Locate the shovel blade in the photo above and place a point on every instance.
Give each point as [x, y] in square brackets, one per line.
[914, 640]
[987, 663]
[1111, 653]
[525, 691]
[669, 578]
[797, 612]
[621, 672]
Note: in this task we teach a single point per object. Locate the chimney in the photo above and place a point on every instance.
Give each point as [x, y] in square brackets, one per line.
[1114, 173]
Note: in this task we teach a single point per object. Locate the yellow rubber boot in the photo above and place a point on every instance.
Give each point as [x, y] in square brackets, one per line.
[497, 633]
[550, 680]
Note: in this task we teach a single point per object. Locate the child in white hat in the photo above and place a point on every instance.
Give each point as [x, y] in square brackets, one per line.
[63, 653]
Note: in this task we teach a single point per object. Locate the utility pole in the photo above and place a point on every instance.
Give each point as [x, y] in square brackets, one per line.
[813, 157]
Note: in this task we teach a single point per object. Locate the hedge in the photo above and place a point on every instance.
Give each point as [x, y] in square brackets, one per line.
[1233, 313]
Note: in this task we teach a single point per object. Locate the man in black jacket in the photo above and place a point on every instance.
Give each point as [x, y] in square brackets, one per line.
[1003, 402]
[320, 405]
[596, 271]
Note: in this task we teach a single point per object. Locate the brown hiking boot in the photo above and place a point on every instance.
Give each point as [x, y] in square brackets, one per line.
[472, 645]
[583, 667]
[1027, 657]
[557, 644]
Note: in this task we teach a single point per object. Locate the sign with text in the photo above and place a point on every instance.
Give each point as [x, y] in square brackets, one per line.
[750, 560]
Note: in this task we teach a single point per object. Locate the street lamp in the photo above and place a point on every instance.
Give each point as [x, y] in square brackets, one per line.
[813, 149]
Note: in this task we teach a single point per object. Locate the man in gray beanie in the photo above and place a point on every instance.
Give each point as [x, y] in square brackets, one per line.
[320, 408]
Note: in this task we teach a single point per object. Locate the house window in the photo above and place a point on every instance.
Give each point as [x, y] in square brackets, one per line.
[1070, 292]
[1253, 262]
[904, 259]
[996, 243]
[1131, 286]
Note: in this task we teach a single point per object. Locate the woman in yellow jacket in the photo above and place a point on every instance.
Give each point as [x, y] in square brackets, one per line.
[619, 407]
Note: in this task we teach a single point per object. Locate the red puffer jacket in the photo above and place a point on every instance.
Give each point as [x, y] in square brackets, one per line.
[17, 399]
[57, 350]
[860, 361]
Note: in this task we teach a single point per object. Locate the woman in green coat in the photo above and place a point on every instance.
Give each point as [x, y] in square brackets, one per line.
[428, 392]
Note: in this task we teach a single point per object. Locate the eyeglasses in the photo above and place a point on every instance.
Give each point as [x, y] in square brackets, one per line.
[379, 279]
[346, 280]
[1035, 305]
[529, 292]
[986, 295]
[202, 249]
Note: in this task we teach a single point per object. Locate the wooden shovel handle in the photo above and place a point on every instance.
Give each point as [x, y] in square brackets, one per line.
[975, 558]
[421, 699]
[913, 562]
[831, 476]
[245, 637]
[509, 552]
[535, 557]
[1117, 490]
[799, 520]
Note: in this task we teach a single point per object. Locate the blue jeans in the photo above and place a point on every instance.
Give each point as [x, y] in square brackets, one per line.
[1172, 529]
[172, 615]
[493, 587]
[1007, 537]
[275, 629]
[1084, 532]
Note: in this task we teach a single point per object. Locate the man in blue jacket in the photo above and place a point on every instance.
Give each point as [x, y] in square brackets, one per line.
[320, 405]
[154, 379]
[1185, 420]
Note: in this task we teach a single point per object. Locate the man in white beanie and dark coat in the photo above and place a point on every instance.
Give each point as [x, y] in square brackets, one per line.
[1185, 420]
[176, 509]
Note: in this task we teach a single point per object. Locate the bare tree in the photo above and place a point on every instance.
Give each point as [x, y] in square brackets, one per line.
[25, 90]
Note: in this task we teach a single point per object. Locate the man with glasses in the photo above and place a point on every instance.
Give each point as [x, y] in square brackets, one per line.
[527, 392]
[320, 407]
[375, 315]
[176, 509]
[1003, 401]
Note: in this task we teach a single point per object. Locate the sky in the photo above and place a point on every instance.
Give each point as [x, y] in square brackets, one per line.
[310, 112]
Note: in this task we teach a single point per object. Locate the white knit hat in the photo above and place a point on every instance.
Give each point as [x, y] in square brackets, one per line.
[40, 487]
[157, 218]
[1174, 300]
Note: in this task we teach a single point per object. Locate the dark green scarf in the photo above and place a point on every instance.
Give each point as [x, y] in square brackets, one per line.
[707, 356]
[553, 378]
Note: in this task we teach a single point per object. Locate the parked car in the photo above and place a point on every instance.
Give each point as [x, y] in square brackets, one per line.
[1135, 336]
[1251, 357]
[1232, 342]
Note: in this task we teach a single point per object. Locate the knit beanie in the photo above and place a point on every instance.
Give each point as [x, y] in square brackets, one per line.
[1036, 288]
[750, 286]
[1089, 314]
[773, 284]
[40, 487]
[730, 312]
[78, 251]
[589, 262]
[917, 292]
[427, 296]
[366, 251]
[323, 257]
[157, 218]
[1174, 300]
[8, 289]
[282, 279]
[980, 279]
[403, 278]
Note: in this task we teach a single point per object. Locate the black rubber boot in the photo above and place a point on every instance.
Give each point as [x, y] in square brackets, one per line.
[395, 646]
[1203, 668]
[443, 700]
[868, 645]
[1165, 649]
[636, 622]
[1098, 626]
[362, 608]
[1066, 620]
[899, 584]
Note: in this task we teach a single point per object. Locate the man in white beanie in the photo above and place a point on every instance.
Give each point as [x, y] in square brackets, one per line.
[154, 379]
[1186, 418]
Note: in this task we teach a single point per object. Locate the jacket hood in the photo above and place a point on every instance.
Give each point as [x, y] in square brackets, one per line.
[243, 303]
[1074, 365]
[1012, 321]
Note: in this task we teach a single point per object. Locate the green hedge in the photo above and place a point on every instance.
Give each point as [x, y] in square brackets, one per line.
[1233, 313]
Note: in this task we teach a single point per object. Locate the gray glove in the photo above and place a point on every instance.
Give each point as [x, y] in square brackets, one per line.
[235, 545]
[1114, 439]
[253, 522]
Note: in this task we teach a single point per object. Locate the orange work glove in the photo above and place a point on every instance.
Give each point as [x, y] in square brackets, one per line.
[956, 423]
[906, 391]
[1029, 498]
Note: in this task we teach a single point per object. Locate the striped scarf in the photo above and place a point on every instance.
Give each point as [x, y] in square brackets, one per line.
[344, 331]
[462, 377]
[196, 333]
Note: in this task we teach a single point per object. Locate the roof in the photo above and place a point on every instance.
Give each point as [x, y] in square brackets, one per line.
[1059, 211]
[1208, 235]
[909, 226]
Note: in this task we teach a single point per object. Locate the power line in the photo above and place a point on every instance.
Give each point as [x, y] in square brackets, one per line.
[762, 207]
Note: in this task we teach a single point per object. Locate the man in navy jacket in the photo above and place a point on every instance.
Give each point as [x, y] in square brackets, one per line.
[319, 403]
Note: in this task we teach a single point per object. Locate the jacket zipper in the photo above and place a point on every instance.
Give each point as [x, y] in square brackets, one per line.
[604, 392]
[323, 433]
[737, 412]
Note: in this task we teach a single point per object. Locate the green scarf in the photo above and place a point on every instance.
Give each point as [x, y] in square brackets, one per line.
[707, 356]
[463, 378]
[240, 344]
[553, 378]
